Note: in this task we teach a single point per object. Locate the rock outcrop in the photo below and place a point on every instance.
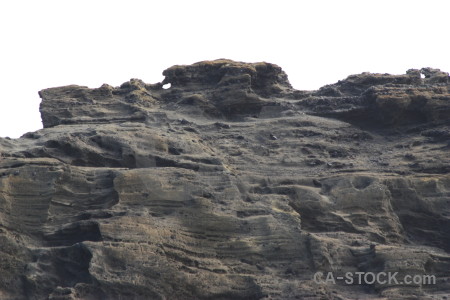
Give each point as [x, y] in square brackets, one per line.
[230, 185]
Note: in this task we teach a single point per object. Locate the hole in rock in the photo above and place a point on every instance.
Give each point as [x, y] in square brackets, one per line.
[422, 75]
[74, 233]
[166, 86]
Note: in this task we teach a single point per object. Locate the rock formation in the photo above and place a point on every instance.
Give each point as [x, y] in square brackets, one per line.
[230, 185]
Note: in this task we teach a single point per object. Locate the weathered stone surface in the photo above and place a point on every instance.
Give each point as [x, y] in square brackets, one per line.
[383, 100]
[229, 185]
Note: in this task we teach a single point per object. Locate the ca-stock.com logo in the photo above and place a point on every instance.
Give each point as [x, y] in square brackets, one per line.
[368, 278]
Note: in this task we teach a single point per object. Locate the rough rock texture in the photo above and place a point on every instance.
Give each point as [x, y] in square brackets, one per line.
[230, 185]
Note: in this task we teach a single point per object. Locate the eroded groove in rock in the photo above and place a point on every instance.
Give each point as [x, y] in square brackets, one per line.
[229, 185]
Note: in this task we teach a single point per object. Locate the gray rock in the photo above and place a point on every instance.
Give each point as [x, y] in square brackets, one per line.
[143, 192]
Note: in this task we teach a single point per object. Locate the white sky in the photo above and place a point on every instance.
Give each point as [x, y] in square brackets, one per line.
[48, 43]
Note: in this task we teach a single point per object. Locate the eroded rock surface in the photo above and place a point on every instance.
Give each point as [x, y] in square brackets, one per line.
[230, 185]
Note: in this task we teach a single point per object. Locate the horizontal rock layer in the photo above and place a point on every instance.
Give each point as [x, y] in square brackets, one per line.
[229, 185]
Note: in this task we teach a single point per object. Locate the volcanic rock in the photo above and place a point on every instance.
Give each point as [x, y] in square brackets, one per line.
[230, 184]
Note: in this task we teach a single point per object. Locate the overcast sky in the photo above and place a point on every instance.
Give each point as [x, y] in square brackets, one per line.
[50, 43]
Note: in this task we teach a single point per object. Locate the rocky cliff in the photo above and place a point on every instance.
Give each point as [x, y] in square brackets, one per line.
[230, 184]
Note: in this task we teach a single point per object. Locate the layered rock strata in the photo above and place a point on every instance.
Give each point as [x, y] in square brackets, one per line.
[230, 185]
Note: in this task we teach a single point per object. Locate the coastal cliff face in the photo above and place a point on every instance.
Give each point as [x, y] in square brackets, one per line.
[230, 184]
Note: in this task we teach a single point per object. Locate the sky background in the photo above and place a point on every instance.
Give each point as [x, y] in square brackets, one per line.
[50, 43]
